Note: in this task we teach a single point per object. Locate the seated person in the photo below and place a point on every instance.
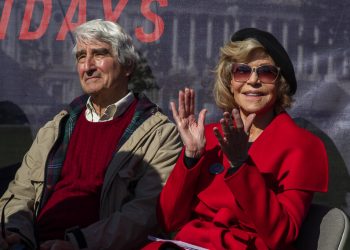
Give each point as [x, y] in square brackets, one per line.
[93, 174]
[245, 182]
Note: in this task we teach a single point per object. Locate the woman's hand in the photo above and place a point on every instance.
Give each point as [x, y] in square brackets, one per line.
[191, 131]
[234, 141]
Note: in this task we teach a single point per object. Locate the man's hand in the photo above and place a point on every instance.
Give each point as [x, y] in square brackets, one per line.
[57, 245]
[10, 239]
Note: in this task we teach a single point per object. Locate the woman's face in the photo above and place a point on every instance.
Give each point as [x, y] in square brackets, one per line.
[255, 95]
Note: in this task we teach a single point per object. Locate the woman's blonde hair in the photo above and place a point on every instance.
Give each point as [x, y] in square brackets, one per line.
[240, 51]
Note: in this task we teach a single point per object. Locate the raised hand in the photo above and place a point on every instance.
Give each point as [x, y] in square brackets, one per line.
[234, 141]
[191, 130]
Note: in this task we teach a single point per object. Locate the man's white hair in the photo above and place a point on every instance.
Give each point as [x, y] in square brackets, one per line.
[111, 33]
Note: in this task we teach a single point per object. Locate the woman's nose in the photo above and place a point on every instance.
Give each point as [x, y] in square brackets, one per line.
[254, 78]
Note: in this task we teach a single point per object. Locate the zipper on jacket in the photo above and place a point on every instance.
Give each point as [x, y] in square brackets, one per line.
[35, 225]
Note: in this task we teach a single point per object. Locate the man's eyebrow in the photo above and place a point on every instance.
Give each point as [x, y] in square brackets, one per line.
[101, 50]
[79, 53]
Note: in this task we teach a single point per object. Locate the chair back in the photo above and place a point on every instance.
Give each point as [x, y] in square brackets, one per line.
[325, 228]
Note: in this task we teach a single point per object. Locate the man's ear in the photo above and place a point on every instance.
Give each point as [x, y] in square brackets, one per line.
[129, 70]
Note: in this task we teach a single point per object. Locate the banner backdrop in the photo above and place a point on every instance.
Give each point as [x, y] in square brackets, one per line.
[179, 42]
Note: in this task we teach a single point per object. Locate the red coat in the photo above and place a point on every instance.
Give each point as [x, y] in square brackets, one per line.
[261, 206]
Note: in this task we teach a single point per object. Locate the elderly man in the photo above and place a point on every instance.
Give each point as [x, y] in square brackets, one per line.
[93, 174]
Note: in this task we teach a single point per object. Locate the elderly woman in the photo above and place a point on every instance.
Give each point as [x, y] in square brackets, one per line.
[246, 182]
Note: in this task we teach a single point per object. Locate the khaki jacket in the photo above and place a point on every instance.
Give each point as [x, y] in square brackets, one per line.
[130, 190]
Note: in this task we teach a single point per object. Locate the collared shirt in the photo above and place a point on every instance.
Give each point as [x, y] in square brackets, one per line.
[113, 110]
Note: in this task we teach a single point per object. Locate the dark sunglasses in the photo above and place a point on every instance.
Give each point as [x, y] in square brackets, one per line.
[266, 73]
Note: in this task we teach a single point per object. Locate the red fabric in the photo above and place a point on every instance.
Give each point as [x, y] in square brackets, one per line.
[261, 206]
[76, 196]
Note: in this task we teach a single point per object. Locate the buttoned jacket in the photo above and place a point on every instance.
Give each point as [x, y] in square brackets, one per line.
[260, 206]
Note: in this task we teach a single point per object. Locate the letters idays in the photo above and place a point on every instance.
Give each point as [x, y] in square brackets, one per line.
[80, 6]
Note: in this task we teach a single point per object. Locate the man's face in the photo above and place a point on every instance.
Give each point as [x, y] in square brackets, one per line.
[100, 73]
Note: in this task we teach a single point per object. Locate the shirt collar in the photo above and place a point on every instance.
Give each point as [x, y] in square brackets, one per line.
[112, 110]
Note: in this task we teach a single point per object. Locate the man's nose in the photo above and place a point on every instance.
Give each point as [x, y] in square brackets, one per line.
[89, 64]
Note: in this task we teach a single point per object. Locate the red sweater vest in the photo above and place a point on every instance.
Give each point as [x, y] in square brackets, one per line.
[76, 196]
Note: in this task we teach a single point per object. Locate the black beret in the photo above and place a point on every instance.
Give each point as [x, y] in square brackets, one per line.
[274, 49]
